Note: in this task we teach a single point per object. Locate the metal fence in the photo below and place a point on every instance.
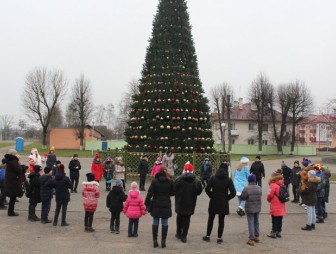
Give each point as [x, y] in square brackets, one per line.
[132, 160]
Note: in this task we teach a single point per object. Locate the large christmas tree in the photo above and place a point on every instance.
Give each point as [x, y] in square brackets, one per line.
[170, 111]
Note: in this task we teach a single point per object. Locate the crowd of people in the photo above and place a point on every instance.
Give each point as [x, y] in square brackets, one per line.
[310, 188]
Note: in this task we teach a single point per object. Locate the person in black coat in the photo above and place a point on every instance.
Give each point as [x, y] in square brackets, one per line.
[187, 188]
[258, 169]
[205, 172]
[34, 193]
[13, 180]
[46, 194]
[295, 181]
[143, 171]
[74, 167]
[286, 172]
[51, 158]
[159, 204]
[61, 183]
[114, 201]
[220, 190]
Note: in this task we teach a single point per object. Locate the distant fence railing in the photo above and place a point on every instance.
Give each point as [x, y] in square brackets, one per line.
[132, 160]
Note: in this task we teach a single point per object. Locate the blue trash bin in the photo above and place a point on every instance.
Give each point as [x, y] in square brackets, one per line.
[19, 144]
[104, 145]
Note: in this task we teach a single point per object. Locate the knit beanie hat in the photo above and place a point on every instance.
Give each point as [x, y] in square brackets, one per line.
[224, 166]
[297, 162]
[90, 177]
[252, 178]
[278, 172]
[311, 173]
[134, 186]
[61, 168]
[75, 155]
[258, 157]
[47, 170]
[97, 156]
[37, 168]
[283, 164]
[305, 162]
[119, 182]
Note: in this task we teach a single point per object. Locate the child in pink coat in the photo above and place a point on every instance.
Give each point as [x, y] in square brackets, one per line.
[90, 200]
[134, 208]
[156, 167]
[277, 208]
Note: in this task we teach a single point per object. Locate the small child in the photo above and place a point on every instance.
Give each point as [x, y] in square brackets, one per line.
[90, 200]
[108, 167]
[120, 171]
[134, 209]
[156, 167]
[252, 195]
[34, 193]
[46, 194]
[114, 201]
[206, 172]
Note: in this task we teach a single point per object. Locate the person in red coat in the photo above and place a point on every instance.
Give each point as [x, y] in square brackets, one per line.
[277, 208]
[97, 168]
[90, 200]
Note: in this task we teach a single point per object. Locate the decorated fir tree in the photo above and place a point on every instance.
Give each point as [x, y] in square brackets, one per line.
[170, 111]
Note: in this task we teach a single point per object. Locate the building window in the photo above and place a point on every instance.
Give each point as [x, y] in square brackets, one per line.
[233, 141]
[265, 127]
[252, 127]
[250, 141]
[265, 142]
[232, 126]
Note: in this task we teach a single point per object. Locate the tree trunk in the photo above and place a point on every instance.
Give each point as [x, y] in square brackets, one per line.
[293, 137]
[44, 137]
[260, 140]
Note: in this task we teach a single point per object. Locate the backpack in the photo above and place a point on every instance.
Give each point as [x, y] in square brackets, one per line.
[27, 189]
[283, 194]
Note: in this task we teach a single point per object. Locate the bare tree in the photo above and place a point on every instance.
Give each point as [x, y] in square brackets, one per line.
[81, 105]
[70, 115]
[301, 105]
[280, 101]
[57, 117]
[259, 93]
[110, 115]
[6, 122]
[222, 98]
[43, 90]
[100, 114]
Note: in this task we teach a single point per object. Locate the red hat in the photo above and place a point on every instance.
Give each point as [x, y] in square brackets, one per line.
[61, 168]
[97, 156]
[188, 167]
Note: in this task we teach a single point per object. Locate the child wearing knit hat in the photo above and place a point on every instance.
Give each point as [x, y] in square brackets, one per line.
[46, 194]
[134, 208]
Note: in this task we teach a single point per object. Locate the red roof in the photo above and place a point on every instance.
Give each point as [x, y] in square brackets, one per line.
[315, 119]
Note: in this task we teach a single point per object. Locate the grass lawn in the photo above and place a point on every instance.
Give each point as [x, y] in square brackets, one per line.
[5, 144]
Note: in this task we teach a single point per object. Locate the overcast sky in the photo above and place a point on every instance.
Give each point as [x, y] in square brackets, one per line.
[107, 39]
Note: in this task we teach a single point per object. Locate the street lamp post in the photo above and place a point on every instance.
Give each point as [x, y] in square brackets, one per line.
[92, 133]
[223, 125]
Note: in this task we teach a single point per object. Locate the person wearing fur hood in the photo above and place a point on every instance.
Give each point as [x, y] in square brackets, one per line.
[277, 208]
[90, 195]
[309, 198]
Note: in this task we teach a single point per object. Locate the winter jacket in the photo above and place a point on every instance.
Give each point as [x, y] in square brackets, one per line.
[62, 184]
[258, 169]
[277, 208]
[156, 168]
[286, 172]
[295, 176]
[97, 170]
[327, 186]
[158, 196]
[90, 195]
[34, 188]
[51, 160]
[187, 188]
[240, 179]
[119, 172]
[74, 167]
[13, 177]
[143, 167]
[168, 161]
[46, 192]
[108, 168]
[134, 206]
[220, 190]
[206, 171]
[309, 194]
[115, 199]
[252, 194]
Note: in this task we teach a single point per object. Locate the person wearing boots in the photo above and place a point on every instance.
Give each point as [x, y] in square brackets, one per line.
[46, 194]
[295, 181]
[34, 193]
[143, 171]
[187, 188]
[74, 167]
[252, 195]
[286, 172]
[114, 201]
[62, 184]
[258, 169]
[90, 195]
[13, 180]
[220, 190]
[277, 208]
[309, 198]
[158, 203]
